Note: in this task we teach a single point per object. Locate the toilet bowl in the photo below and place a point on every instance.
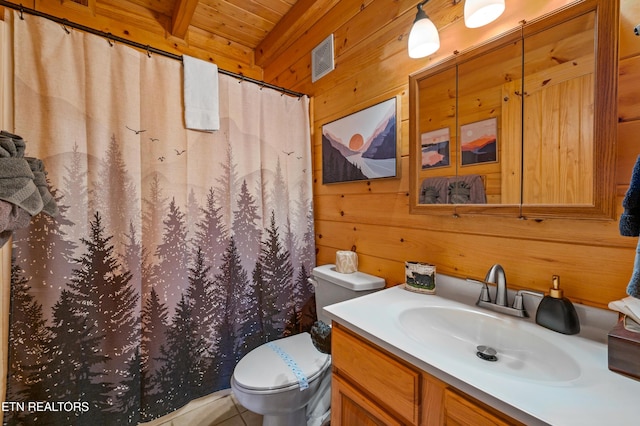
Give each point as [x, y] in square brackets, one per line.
[265, 380]
[288, 380]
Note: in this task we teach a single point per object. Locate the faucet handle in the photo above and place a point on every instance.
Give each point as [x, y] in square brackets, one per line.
[484, 292]
[517, 300]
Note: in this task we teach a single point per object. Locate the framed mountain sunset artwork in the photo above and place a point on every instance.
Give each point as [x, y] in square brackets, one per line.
[479, 142]
[362, 145]
[435, 148]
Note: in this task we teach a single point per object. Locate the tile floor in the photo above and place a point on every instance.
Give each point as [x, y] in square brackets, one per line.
[229, 412]
[219, 409]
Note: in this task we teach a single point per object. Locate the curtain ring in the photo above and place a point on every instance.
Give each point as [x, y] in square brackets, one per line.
[148, 51]
[21, 11]
[109, 39]
[64, 27]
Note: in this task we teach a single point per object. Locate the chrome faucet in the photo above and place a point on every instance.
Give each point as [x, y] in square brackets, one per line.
[497, 276]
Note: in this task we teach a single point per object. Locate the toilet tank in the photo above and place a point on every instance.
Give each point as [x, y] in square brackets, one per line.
[333, 287]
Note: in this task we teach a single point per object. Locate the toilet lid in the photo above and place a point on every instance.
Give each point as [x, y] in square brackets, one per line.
[265, 368]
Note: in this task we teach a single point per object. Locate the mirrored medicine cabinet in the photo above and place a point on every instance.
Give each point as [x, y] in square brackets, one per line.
[523, 125]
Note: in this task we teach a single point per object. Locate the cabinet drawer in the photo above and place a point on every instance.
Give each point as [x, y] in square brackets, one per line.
[389, 382]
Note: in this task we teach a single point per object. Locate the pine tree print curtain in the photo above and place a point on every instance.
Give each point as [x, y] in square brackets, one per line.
[175, 252]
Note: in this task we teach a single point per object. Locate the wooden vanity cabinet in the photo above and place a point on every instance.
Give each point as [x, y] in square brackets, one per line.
[371, 386]
[382, 381]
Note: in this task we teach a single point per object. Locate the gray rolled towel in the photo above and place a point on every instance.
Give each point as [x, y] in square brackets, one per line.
[7, 148]
[17, 185]
[630, 219]
[630, 225]
[4, 237]
[15, 145]
[633, 288]
[40, 178]
[12, 218]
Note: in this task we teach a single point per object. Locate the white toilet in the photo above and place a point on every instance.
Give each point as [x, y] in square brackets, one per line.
[288, 380]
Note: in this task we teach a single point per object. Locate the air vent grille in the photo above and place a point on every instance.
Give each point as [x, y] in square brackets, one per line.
[322, 59]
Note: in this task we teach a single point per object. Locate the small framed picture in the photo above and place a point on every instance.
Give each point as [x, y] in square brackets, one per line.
[435, 148]
[479, 142]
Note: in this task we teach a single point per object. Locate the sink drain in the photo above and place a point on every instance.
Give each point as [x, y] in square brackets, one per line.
[486, 353]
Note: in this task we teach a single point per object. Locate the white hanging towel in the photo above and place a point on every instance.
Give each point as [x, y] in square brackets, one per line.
[201, 107]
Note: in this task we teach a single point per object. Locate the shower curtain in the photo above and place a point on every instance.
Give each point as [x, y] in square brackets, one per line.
[175, 252]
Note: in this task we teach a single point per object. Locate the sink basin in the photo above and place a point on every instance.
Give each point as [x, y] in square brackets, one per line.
[457, 332]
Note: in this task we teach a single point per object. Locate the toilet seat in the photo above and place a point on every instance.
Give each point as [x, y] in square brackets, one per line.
[263, 369]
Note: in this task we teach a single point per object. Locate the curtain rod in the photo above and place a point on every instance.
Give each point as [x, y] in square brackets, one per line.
[144, 47]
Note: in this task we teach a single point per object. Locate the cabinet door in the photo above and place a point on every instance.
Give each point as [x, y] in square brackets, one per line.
[461, 411]
[349, 407]
[386, 380]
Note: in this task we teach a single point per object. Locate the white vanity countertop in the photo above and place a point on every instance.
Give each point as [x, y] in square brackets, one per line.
[593, 396]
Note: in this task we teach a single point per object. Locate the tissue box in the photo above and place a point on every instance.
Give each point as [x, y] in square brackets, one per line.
[624, 350]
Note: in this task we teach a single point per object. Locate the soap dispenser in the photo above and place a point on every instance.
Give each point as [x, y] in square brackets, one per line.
[556, 312]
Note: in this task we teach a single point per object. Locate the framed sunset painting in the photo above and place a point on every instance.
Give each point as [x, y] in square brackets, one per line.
[362, 145]
[435, 148]
[479, 142]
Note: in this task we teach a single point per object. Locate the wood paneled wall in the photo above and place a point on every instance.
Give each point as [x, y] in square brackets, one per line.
[372, 217]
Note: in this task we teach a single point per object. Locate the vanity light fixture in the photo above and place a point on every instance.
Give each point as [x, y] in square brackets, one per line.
[481, 12]
[423, 38]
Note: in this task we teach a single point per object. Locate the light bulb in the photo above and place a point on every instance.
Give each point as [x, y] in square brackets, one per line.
[423, 38]
[481, 12]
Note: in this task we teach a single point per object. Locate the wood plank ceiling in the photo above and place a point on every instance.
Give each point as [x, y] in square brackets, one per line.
[246, 22]
[241, 36]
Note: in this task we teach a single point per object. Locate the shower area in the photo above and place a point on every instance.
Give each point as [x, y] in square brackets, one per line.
[172, 252]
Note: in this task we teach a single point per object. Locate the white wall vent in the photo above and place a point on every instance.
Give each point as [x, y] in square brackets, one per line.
[322, 59]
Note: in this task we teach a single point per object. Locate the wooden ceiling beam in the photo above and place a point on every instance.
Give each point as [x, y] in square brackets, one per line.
[182, 14]
[300, 18]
